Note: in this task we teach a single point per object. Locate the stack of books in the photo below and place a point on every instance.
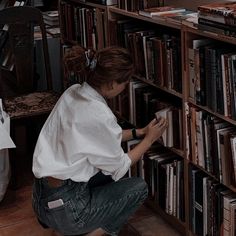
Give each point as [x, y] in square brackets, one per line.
[219, 18]
[160, 11]
[51, 18]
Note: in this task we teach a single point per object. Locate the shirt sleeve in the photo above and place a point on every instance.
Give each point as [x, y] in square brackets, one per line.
[105, 152]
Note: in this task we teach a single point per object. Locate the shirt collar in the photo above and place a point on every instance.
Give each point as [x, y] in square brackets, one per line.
[93, 93]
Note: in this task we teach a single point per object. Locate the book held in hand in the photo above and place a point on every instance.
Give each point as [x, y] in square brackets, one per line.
[160, 11]
[167, 135]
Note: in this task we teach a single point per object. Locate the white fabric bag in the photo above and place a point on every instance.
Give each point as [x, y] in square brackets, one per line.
[5, 143]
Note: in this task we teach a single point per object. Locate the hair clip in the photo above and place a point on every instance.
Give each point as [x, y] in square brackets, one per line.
[87, 57]
[93, 64]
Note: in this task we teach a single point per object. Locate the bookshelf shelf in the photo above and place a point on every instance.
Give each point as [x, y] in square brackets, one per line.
[90, 4]
[181, 226]
[229, 120]
[156, 20]
[179, 95]
[212, 35]
[201, 140]
[177, 151]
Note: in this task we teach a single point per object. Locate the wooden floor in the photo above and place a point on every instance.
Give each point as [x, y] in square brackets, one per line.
[17, 218]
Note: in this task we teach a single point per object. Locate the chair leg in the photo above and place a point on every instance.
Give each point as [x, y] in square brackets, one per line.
[13, 181]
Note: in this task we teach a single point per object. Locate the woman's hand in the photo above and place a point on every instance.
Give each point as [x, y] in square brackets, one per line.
[155, 129]
[152, 132]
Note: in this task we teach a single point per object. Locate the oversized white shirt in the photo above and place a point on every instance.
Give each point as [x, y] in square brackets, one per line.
[80, 137]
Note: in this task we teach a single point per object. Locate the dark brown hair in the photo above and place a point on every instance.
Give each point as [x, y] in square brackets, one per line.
[101, 67]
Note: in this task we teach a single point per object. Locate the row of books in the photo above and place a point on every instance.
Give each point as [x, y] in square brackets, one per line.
[155, 54]
[212, 145]
[219, 17]
[85, 26]
[144, 105]
[51, 18]
[212, 73]
[163, 172]
[213, 206]
[134, 5]
[171, 14]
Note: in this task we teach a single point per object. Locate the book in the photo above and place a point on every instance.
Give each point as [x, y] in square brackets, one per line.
[50, 14]
[160, 11]
[191, 21]
[198, 202]
[133, 85]
[167, 136]
[217, 27]
[217, 18]
[226, 9]
[178, 17]
[51, 17]
[225, 155]
[104, 2]
[227, 201]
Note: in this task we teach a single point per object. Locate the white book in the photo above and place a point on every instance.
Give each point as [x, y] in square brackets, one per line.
[200, 139]
[233, 149]
[164, 113]
[171, 189]
[170, 141]
[132, 86]
[104, 2]
[167, 188]
[205, 204]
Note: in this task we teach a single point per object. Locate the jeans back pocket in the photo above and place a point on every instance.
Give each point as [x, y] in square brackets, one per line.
[64, 218]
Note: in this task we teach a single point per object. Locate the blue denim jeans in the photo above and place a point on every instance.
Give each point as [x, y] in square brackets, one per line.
[88, 206]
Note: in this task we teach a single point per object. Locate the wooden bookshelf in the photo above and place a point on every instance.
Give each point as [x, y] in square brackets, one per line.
[180, 98]
[92, 25]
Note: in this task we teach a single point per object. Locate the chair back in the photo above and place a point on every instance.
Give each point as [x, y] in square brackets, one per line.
[18, 23]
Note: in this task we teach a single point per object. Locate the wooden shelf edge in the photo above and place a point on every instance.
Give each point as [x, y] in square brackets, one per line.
[173, 92]
[95, 5]
[173, 221]
[157, 20]
[204, 108]
[208, 34]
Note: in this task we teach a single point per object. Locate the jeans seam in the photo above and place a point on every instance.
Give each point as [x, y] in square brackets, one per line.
[112, 233]
[113, 202]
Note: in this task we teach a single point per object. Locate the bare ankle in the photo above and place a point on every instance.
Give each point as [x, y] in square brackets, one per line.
[97, 232]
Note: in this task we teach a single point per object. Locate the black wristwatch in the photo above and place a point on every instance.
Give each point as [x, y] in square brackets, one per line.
[134, 133]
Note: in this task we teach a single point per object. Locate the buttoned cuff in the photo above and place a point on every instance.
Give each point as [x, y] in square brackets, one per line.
[124, 169]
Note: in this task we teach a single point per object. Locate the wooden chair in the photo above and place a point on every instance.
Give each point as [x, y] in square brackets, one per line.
[18, 77]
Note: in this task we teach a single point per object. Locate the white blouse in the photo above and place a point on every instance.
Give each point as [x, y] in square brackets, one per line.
[80, 137]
